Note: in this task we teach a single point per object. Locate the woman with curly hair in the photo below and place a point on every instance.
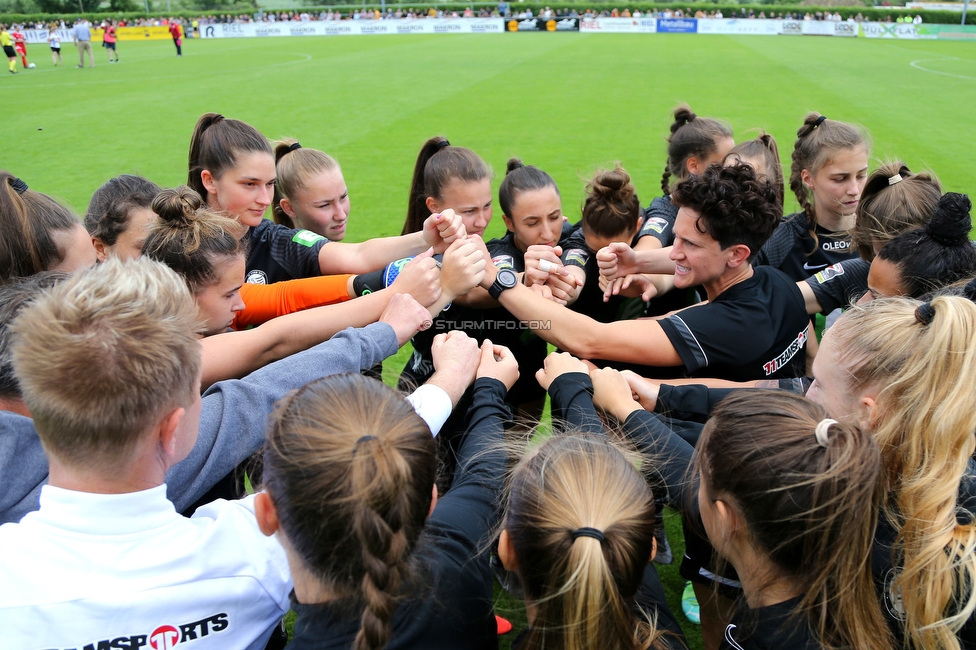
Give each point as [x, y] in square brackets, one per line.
[754, 324]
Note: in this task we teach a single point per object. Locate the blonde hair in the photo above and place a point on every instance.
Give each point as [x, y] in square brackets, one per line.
[925, 372]
[102, 356]
[581, 586]
[295, 165]
[350, 468]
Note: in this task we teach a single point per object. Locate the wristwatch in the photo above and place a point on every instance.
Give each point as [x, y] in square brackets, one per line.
[506, 279]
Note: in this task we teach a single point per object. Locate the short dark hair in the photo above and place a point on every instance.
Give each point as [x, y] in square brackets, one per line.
[734, 206]
[14, 296]
[108, 211]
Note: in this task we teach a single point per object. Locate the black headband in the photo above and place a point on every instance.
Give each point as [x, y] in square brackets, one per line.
[587, 532]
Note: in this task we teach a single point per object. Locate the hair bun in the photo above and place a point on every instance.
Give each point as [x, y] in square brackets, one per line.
[612, 184]
[513, 164]
[950, 224]
[682, 115]
[178, 205]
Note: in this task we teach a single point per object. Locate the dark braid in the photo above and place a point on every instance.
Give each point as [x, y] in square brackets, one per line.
[379, 474]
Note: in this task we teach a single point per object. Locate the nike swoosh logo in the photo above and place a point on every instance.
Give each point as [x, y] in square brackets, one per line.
[815, 267]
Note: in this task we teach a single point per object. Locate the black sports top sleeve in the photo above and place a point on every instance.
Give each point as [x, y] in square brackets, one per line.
[669, 457]
[837, 286]
[659, 219]
[278, 253]
[572, 402]
[469, 509]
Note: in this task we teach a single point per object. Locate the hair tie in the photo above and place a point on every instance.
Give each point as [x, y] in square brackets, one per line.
[822, 431]
[586, 531]
[895, 179]
[18, 185]
[217, 119]
[443, 143]
[970, 290]
[820, 120]
[355, 447]
[924, 313]
[294, 147]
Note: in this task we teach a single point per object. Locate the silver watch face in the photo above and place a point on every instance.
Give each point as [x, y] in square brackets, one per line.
[507, 278]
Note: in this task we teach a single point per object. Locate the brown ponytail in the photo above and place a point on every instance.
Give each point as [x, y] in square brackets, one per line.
[190, 239]
[216, 144]
[804, 495]
[350, 468]
[611, 207]
[690, 136]
[889, 206]
[437, 165]
[29, 221]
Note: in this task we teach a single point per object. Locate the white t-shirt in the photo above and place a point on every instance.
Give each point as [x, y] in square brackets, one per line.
[125, 570]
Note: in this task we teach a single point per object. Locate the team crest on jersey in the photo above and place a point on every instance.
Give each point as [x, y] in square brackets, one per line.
[306, 238]
[654, 224]
[163, 637]
[577, 256]
[829, 272]
[504, 261]
[256, 276]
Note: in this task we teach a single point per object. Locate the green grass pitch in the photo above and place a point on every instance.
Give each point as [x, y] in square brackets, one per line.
[567, 103]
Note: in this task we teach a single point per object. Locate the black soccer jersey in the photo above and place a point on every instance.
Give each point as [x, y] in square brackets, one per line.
[768, 628]
[838, 285]
[505, 329]
[590, 301]
[659, 218]
[276, 253]
[792, 250]
[756, 329]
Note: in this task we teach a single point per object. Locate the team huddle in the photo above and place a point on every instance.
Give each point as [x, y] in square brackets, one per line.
[196, 438]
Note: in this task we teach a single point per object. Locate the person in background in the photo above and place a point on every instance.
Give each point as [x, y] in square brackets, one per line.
[81, 34]
[177, 33]
[54, 38]
[7, 42]
[20, 44]
[109, 37]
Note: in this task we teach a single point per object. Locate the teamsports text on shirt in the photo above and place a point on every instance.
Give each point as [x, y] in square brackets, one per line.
[163, 637]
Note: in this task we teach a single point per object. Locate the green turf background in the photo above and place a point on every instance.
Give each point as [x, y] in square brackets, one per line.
[567, 103]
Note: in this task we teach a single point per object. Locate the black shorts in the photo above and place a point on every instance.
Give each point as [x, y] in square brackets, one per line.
[9, 51]
[109, 46]
[56, 49]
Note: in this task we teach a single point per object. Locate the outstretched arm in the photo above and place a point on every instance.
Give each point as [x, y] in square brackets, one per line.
[440, 230]
[642, 341]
